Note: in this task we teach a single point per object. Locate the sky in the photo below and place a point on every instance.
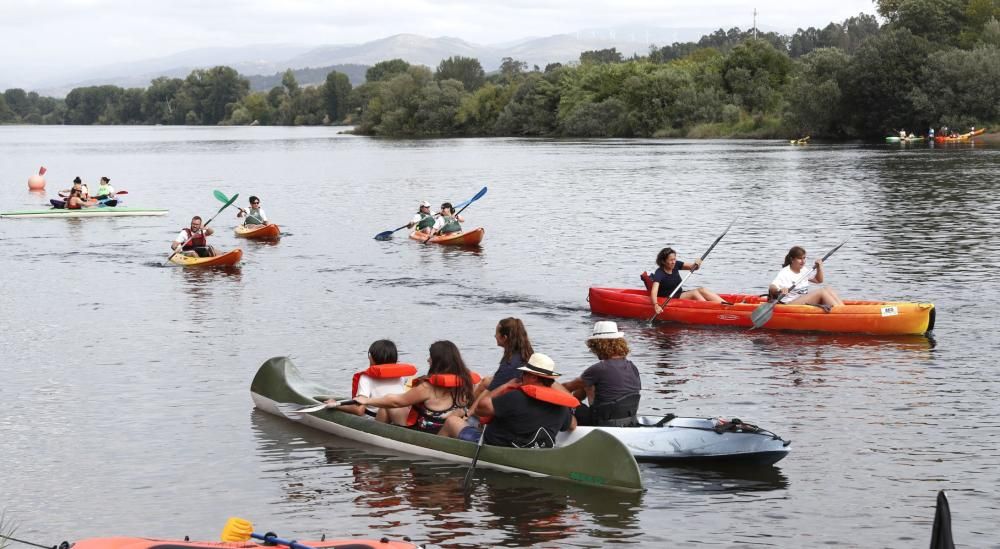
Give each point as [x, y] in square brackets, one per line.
[45, 37]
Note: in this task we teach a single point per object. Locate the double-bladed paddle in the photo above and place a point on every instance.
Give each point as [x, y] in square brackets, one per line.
[467, 204]
[703, 256]
[763, 312]
[222, 198]
[240, 530]
[386, 235]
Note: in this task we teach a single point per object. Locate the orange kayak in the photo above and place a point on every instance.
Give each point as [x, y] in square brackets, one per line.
[258, 231]
[960, 138]
[224, 260]
[471, 237]
[148, 543]
[866, 317]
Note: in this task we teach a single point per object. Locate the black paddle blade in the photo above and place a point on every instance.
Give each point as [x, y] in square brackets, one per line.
[941, 533]
[384, 235]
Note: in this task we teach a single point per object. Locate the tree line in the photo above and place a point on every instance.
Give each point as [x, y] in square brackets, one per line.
[932, 63]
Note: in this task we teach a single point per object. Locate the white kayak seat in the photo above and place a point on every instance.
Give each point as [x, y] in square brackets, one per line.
[620, 412]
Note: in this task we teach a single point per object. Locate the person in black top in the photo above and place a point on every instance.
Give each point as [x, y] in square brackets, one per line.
[611, 379]
[667, 278]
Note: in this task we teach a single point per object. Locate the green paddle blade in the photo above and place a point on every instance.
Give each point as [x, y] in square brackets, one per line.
[223, 198]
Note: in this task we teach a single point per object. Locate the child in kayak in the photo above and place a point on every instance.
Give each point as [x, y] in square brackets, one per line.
[448, 223]
[446, 390]
[383, 377]
[254, 216]
[791, 274]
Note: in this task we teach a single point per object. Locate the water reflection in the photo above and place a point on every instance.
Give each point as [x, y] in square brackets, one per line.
[716, 479]
[391, 491]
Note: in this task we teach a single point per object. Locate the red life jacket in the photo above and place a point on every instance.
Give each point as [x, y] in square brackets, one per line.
[447, 380]
[382, 371]
[195, 240]
[550, 395]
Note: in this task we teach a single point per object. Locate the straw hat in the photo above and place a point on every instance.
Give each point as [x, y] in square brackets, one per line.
[541, 365]
[606, 329]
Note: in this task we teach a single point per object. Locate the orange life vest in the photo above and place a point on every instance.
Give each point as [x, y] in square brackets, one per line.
[447, 380]
[550, 395]
[382, 371]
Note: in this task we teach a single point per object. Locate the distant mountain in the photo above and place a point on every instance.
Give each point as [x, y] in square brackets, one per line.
[260, 62]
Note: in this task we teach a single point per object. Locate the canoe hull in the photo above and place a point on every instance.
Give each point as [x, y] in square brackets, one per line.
[471, 237]
[91, 212]
[692, 440]
[960, 139]
[258, 232]
[865, 317]
[227, 259]
[598, 459]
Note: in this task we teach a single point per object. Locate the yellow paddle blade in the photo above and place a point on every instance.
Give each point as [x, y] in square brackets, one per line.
[237, 529]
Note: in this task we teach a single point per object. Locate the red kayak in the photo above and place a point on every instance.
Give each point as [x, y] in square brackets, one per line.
[867, 317]
[471, 237]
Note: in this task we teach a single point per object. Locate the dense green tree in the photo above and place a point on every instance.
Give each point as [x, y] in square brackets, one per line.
[159, 104]
[17, 101]
[511, 69]
[6, 114]
[336, 94]
[609, 118]
[881, 79]
[814, 94]
[938, 21]
[478, 112]
[386, 70]
[212, 90]
[531, 110]
[610, 55]
[466, 70]
[290, 84]
[754, 72]
[960, 87]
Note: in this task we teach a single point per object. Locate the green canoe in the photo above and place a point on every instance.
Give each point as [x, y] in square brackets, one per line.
[892, 139]
[597, 459]
[86, 212]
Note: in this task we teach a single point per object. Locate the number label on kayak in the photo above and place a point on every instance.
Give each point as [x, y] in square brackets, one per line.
[890, 310]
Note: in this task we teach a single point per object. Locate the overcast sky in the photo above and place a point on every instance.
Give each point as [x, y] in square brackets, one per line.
[41, 36]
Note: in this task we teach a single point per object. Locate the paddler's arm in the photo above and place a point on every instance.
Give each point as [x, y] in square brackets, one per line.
[653, 297]
[416, 395]
[485, 405]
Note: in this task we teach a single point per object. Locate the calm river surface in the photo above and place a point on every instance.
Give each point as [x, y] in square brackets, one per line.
[125, 393]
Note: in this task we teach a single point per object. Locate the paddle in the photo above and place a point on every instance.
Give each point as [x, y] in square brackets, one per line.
[386, 235]
[475, 458]
[315, 408]
[228, 201]
[241, 530]
[467, 204]
[763, 312]
[703, 256]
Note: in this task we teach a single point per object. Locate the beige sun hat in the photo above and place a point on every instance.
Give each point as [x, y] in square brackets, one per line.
[541, 365]
[606, 329]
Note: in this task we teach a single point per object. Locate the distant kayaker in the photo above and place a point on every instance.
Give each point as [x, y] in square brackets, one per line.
[448, 223]
[383, 377]
[902, 134]
[667, 278]
[75, 200]
[444, 391]
[525, 413]
[105, 191]
[256, 215]
[193, 241]
[612, 385]
[422, 221]
[930, 133]
[792, 274]
[80, 186]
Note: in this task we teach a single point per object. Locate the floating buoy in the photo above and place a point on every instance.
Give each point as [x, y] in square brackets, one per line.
[37, 182]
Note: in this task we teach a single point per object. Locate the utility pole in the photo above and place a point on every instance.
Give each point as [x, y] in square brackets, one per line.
[755, 23]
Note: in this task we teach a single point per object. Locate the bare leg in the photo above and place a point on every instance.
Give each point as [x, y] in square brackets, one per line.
[709, 295]
[693, 295]
[453, 425]
[397, 416]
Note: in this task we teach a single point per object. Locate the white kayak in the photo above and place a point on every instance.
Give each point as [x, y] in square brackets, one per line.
[693, 440]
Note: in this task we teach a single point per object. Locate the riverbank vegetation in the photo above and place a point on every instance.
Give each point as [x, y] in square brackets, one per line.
[932, 63]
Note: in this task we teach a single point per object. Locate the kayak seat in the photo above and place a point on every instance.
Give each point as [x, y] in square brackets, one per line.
[646, 280]
[617, 413]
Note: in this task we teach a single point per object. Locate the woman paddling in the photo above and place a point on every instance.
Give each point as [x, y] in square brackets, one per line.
[667, 278]
[255, 215]
[791, 274]
[445, 390]
[448, 223]
[75, 200]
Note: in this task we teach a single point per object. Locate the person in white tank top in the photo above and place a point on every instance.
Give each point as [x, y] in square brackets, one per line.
[793, 274]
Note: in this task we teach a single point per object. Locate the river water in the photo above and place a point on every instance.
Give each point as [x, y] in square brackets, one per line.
[126, 406]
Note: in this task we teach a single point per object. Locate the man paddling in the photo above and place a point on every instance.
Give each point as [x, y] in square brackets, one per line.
[254, 216]
[192, 241]
[526, 413]
[422, 221]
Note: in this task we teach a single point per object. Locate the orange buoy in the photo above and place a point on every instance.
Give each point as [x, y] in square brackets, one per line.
[37, 182]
